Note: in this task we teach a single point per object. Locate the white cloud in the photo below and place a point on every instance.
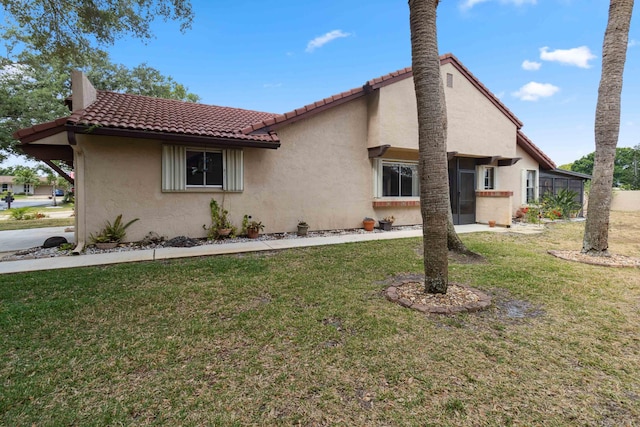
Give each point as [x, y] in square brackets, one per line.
[468, 4]
[632, 43]
[578, 56]
[324, 39]
[533, 91]
[531, 65]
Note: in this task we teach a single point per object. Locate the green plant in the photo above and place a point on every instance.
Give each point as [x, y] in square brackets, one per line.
[532, 213]
[245, 224]
[112, 233]
[561, 204]
[20, 213]
[255, 226]
[219, 221]
[66, 246]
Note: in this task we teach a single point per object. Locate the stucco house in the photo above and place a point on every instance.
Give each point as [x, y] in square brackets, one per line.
[330, 163]
[42, 189]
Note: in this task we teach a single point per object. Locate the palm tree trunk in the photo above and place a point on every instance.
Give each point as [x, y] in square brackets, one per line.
[434, 179]
[607, 127]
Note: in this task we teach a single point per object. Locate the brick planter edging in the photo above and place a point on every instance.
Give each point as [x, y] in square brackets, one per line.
[484, 301]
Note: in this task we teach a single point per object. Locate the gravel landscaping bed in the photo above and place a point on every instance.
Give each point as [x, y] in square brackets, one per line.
[155, 242]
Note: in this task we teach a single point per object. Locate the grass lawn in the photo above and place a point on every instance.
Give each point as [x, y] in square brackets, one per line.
[12, 224]
[305, 337]
[7, 222]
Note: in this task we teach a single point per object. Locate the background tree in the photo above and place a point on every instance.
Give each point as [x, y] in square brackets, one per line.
[33, 91]
[64, 30]
[53, 37]
[26, 176]
[435, 206]
[626, 167]
[607, 127]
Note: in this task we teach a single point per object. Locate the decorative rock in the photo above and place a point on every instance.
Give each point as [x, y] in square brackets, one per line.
[182, 242]
[54, 242]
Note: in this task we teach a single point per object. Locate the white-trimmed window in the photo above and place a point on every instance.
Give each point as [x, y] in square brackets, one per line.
[397, 178]
[529, 186]
[190, 168]
[5, 187]
[488, 178]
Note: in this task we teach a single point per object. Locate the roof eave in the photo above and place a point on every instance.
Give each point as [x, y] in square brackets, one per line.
[530, 148]
[177, 138]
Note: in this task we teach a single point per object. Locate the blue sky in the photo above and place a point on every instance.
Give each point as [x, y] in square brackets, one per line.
[541, 58]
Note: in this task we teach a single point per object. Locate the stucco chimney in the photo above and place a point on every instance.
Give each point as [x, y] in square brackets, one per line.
[82, 91]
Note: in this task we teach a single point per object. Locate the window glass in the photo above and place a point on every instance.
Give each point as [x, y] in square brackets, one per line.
[400, 180]
[531, 186]
[489, 178]
[204, 168]
[214, 169]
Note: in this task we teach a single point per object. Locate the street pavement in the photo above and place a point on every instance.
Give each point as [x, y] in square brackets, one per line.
[16, 240]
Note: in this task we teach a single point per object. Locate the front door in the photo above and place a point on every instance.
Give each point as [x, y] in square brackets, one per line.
[462, 185]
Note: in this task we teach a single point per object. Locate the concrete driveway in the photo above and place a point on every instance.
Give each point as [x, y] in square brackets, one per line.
[16, 240]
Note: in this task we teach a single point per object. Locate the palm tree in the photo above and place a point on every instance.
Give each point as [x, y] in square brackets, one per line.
[607, 127]
[26, 176]
[432, 127]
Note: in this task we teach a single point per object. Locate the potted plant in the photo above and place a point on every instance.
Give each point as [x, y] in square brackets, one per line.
[492, 223]
[111, 234]
[368, 223]
[220, 224]
[303, 228]
[386, 222]
[254, 228]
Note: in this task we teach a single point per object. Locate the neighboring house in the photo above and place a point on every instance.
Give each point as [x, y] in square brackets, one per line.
[6, 184]
[330, 163]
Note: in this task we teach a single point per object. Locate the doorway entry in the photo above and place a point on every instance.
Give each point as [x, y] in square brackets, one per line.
[462, 190]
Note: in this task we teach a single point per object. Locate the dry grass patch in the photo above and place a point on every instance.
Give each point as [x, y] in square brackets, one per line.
[306, 337]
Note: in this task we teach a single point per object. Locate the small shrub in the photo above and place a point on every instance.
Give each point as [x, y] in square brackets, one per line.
[20, 213]
[112, 232]
[561, 204]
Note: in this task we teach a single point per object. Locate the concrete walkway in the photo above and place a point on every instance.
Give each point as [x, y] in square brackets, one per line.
[220, 249]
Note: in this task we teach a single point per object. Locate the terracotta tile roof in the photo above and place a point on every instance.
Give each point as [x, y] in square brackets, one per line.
[136, 112]
[404, 73]
[394, 76]
[303, 112]
[113, 110]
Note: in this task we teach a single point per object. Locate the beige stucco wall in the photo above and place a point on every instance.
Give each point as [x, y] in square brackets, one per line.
[494, 209]
[625, 201]
[511, 177]
[475, 126]
[320, 174]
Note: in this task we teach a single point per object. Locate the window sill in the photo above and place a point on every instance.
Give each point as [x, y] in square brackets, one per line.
[202, 190]
[397, 202]
[493, 193]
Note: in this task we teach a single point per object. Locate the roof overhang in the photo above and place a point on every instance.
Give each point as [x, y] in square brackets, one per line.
[531, 149]
[568, 174]
[46, 152]
[239, 141]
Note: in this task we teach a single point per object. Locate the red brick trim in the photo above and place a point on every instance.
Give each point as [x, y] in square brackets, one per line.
[493, 193]
[396, 203]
